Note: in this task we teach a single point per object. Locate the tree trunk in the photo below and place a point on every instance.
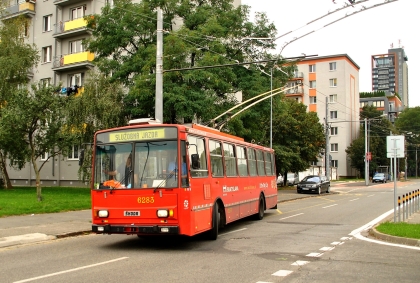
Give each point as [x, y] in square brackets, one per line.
[38, 180]
[6, 179]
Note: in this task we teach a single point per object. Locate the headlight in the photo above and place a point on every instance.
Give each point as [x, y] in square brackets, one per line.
[162, 213]
[102, 213]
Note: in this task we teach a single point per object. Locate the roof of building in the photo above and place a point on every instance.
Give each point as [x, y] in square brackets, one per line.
[329, 57]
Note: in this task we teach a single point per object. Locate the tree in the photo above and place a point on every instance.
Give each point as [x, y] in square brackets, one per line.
[210, 34]
[378, 128]
[16, 60]
[37, 121]
[298, 136]
[408, 123]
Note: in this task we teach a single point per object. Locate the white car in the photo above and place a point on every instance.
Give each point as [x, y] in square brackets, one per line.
[280, 179]
[292, 179]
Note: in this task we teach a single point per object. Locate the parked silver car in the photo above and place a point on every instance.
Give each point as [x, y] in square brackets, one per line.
[292, 179]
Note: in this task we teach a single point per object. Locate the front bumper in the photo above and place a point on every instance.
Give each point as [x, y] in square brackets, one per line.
[134, 229]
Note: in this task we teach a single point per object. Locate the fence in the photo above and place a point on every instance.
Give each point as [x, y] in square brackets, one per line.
[410, 204]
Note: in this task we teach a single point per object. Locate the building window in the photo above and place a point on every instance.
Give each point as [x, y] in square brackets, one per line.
[76, 79]
[334, 131]
[46, 23]
[312, 100]
[333, 114]
[333, 98]
[46, 54]
[110, 3]
[45, 82]
[312, 68]
[334, 163]
[73, 153]
[333, 82]
[44, 157]
[312, 84]
[333, 66]
[334, 147]
[76, 46]
[78, 12]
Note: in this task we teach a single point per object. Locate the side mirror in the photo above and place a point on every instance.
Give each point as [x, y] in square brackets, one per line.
[195, 161]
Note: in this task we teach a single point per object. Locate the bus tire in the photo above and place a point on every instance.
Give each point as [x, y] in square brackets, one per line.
[260, 214]
[214, 231]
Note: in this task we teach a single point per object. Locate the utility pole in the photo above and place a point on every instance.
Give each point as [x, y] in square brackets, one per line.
[159, 67]
[327, 142]
[366, 151]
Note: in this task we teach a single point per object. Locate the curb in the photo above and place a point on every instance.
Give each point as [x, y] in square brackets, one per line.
[393, 239]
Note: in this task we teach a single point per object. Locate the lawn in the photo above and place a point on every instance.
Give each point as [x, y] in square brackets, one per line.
[23, 200]
[401, 229]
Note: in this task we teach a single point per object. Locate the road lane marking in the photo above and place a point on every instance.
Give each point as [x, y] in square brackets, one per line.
[282, 273]
[325, 249]
[335, 243]
[327, 199]
[70, 270]
[315, 254]
[354, 199]
[291, 216]
[300, 262]
[278, 210]
[370, 196]
[356, 232]
[330, 205]
[239, 230]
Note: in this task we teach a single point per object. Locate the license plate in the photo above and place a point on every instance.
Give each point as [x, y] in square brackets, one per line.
[131, 213]
[305, 189]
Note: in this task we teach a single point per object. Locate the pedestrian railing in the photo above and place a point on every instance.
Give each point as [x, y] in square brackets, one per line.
[408, 204]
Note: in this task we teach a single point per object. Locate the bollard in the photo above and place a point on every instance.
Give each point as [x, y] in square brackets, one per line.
[406, 206]
[403, 207]
[411, 204]
[399, 207]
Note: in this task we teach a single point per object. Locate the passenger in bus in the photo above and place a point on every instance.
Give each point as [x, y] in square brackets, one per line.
[124, 170]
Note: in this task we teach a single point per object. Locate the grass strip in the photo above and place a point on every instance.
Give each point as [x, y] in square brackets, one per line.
[23, 200]
[401, 229]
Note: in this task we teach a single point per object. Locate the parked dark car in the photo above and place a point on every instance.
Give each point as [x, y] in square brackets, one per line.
[314, 183]
[380, 177]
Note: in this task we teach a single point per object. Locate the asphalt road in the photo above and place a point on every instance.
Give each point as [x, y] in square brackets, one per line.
[307, 240]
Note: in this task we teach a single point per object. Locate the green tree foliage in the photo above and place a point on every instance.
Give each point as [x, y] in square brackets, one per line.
[16, 60]
[36, 119]
[378, 129]
[209, 34]
[298, 136]
[100, 106]
[408, 123]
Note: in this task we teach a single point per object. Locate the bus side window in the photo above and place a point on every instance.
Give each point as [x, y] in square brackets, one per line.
[216, 158]
[198, 157]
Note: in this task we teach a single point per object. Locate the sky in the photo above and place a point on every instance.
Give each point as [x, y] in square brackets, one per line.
[369, 32]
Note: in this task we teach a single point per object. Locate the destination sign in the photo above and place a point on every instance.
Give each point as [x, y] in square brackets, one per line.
[137, 135]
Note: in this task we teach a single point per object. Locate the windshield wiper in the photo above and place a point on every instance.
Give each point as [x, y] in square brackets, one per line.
[170, 175]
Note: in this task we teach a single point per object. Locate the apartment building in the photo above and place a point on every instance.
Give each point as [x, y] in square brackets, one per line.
[57, 28]
[389, 104]
[390, 73]
[331, 88]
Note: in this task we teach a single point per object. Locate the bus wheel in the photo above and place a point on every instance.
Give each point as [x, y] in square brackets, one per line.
[260, 214]
[212, 234]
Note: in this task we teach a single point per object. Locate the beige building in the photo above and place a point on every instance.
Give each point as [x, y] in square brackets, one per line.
[331, 87]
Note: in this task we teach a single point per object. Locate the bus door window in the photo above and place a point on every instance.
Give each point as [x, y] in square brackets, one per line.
[252, 161]
[184, 171]
[216, 161]
[242, 161]
[260, 163]
[230, 160]
[197, 157]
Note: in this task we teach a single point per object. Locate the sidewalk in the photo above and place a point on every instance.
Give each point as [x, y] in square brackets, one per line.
[18, 230]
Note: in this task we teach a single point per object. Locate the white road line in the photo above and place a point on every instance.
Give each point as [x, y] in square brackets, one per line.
[335, 243]
[354, 199]
[282, 273]
[291, 216]
[356, 232]
[70, 270]
[370, 196]
[345, 238]
[330, 205]
[232, 231]
[315, 254]
[326, 249]
[300, 262]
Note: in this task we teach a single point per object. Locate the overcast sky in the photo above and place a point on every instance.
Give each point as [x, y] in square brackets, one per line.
[369, 32]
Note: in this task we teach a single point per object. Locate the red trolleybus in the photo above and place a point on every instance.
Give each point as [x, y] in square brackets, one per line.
[153, 178]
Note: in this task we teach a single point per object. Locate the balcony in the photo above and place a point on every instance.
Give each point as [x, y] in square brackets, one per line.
[71, 28]
[296, 90]
[72, 90]
[23, 8]
[297, 75]
[66, 2]
[81, 60]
